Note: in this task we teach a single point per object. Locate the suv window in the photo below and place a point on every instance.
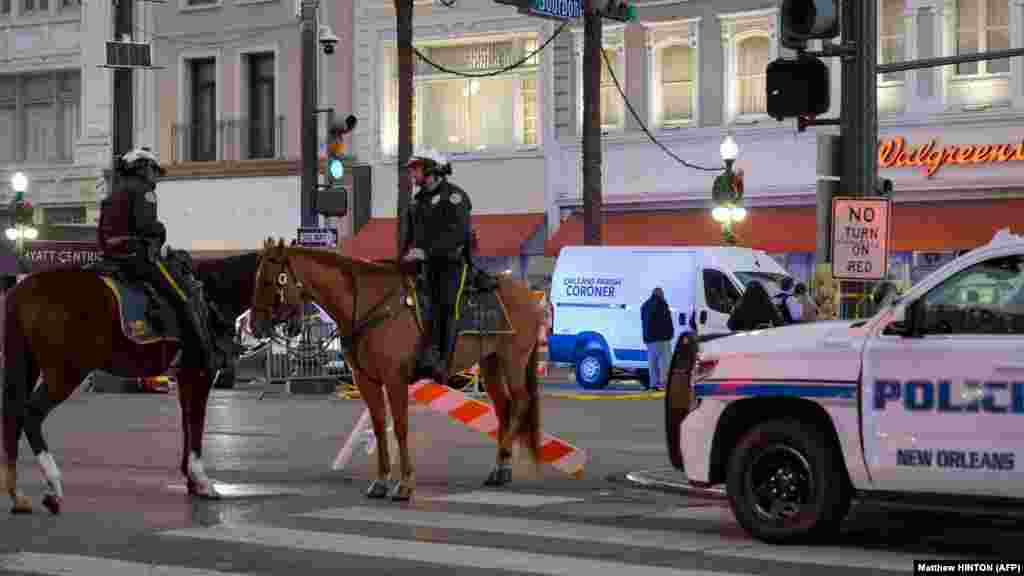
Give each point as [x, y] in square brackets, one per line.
[719, 292]
[986, 298]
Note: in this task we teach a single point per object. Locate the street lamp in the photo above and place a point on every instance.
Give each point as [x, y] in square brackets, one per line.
[20, 231]
[727, 194]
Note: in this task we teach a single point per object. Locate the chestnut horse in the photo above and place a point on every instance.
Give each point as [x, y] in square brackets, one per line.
[64, 324]
[381, 335]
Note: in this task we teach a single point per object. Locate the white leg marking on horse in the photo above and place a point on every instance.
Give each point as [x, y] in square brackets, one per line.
[197, 472]
[51, 473]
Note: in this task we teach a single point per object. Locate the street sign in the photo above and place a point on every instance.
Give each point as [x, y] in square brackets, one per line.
[860, 238]
[129, 55]
[556, 9]
[318, 237]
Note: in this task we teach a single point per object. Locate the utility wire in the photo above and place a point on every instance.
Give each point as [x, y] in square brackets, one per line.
[495, 72]
[636, 116]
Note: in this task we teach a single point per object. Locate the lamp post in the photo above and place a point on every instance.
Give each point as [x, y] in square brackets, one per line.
[22, 211]
[727, 193]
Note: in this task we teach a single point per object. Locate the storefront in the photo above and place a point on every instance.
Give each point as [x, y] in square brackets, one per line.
[954, 188]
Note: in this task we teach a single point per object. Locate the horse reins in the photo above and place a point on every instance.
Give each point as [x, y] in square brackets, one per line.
[370, 320]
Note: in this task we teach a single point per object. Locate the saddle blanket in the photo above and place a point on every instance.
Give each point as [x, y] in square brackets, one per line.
[478, 312]
[144, 315]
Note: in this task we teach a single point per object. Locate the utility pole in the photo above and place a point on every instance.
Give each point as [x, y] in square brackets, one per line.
[123, 101]
[592, 62]
[310, 157]
[859, 115]
[404, 13]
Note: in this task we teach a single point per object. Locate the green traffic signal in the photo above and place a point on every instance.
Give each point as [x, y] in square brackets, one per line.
[630, 13]
[336, 168]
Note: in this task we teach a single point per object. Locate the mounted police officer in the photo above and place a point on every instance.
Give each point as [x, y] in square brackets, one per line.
[131, 234]
[438, 236]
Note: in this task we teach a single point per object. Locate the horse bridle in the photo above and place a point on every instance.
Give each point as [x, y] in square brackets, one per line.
[370, 321]
[282, 281]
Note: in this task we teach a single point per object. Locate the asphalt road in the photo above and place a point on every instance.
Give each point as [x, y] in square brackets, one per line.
[287, 512]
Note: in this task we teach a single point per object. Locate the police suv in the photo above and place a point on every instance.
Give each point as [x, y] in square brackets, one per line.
[921, 404]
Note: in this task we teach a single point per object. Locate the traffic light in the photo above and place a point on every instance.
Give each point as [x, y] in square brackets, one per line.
[615, 10]
[797, 87]
[883, 188]
[332, 197]
[804, 20]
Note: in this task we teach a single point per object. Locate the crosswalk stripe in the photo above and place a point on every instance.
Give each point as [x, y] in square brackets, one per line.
[715, 545]
[505, 499]
[458, 555]
[64, 564]
[641, 538]
[722, 514]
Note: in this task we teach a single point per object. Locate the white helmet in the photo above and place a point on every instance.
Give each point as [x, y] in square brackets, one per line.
[139, 158]
[433, 162]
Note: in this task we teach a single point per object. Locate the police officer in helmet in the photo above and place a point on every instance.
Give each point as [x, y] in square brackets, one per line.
[438, 236]
[130, 233]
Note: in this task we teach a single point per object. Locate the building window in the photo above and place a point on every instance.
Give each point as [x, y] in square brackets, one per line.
[203, 110]
[262, 132]
[68, 113]
[613, 107]
[8, 118]
[70, 4]
[891, 37]
[64, 215]
[752, 56]
[201, 2]
[5, 7]
[29, 6]
[458, 115]
[677, 69]
[38, 118]
[982, 26]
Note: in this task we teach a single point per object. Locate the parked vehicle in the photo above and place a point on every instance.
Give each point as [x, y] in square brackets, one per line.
[597, 292]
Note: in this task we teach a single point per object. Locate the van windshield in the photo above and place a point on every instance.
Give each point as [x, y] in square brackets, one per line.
[764, 277]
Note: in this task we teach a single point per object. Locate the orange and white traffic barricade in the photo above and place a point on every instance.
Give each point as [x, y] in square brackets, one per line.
[474, 414]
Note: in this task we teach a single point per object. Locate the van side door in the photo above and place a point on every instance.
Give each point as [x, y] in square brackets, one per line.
[715, 302]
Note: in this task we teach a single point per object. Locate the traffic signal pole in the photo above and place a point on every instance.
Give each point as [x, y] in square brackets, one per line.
[123, 97]
[592, 62]
[310, 158]
[859, 113]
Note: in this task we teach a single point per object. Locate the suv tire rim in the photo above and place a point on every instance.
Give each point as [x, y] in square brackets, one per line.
[780, 483]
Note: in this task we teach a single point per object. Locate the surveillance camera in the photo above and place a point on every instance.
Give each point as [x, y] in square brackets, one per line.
[328, 40]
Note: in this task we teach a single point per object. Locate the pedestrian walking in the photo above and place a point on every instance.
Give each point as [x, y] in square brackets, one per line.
[658, 332]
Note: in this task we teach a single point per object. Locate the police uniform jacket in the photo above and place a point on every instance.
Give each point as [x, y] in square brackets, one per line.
[438, 222]
[130, 211]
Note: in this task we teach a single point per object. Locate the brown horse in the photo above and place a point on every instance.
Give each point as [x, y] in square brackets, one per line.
[66, 323]
[377, 323]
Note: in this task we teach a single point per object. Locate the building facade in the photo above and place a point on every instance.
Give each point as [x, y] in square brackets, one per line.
[54, 111]
[695, 71]
[226, 115]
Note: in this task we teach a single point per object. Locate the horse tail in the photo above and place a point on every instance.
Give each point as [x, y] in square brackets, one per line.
[530, 432]
[17, 372]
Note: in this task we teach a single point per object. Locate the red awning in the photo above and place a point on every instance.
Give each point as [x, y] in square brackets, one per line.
[500, 235]
[949, 225]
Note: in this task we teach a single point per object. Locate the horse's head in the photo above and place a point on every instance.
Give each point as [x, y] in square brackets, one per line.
[277, 294]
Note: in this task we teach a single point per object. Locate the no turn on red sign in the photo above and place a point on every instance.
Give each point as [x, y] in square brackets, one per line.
[860, 238]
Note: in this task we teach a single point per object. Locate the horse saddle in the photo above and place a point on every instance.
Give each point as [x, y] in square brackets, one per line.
[144, 314]
[479, 309]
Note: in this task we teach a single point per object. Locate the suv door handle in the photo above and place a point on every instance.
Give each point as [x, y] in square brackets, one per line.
[1011, 367]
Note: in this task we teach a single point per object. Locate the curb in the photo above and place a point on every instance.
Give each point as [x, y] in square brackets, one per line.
[626, 396]
[648, 479]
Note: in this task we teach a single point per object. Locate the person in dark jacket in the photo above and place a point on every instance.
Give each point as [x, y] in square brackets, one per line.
[658, 333]
[438, 236]
[755, 310]
[130, 234]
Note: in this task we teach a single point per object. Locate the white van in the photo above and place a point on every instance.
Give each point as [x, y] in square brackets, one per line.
[597, 292]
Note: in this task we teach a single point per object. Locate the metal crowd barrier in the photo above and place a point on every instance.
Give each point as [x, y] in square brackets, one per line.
[312, 358]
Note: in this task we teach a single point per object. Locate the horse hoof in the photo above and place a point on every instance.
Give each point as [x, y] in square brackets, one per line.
[401, 493]
[52, 503]
[499, 477]
[22, 505]
[378, 489]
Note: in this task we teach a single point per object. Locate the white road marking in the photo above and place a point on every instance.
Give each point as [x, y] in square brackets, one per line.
[662, 540]
[457, 555]
[505, 499]
[68, 564]
[721, 514]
